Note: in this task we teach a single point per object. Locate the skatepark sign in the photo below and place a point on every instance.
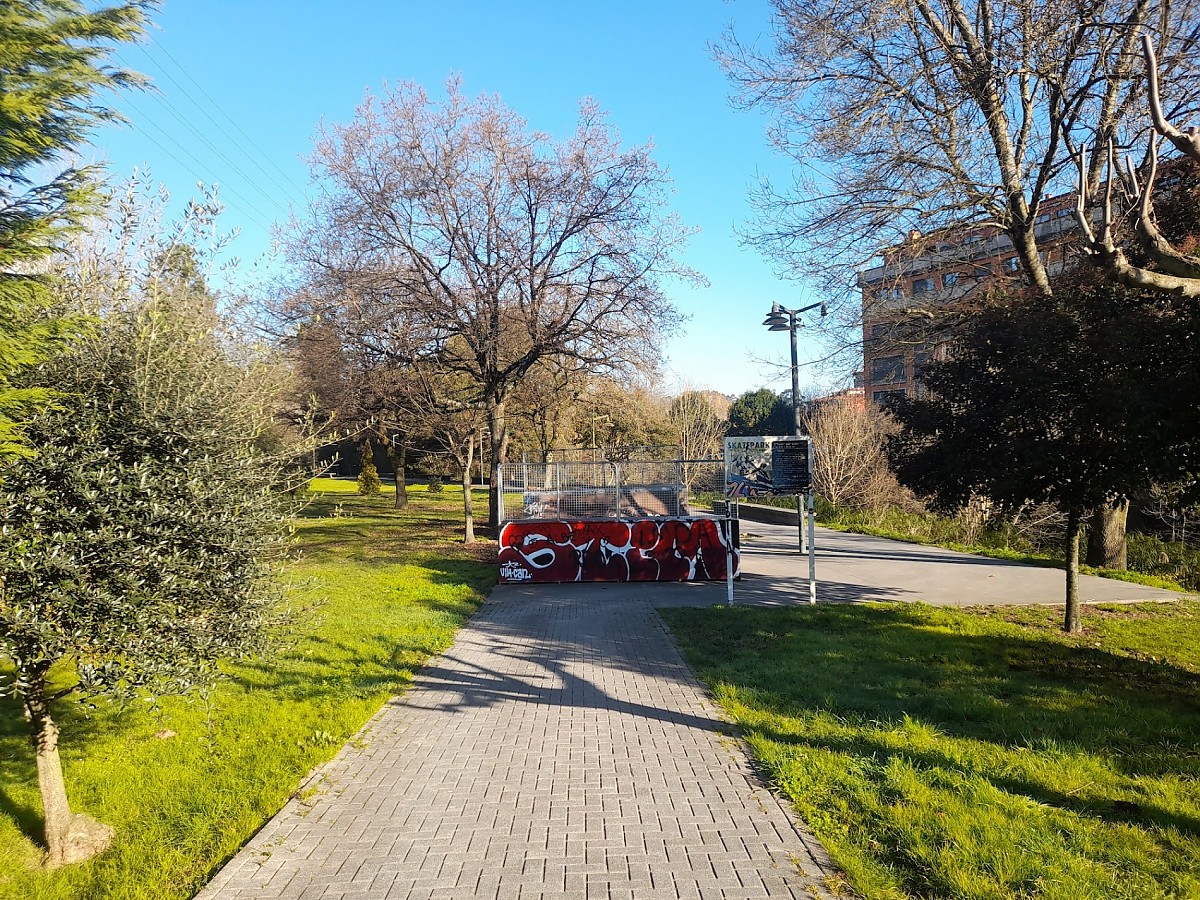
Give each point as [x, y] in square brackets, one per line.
[757, 466]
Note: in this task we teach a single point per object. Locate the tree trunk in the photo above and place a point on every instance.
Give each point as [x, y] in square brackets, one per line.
[1106, 546]
[499, 443]
[398, 453]
[1071, 618]
[70, 837]
[468, 512]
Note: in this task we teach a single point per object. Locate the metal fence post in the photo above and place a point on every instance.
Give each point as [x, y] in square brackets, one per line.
[617, 481]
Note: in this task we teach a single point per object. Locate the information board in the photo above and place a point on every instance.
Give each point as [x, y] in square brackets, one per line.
[754, 467]
[791, 465]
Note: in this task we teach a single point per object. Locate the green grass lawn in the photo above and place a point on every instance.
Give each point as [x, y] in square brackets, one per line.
[974, 754]
[390, 588]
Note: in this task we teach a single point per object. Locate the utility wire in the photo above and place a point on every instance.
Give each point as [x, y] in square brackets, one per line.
[213, 148]
[249, 140]
[245, 207]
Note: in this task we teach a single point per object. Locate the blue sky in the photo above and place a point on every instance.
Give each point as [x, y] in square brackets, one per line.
[241, 86]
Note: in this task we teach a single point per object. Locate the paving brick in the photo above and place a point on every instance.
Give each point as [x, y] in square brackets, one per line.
[560, 749]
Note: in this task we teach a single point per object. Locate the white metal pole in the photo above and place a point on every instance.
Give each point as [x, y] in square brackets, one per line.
[729, 555]
[812, 549]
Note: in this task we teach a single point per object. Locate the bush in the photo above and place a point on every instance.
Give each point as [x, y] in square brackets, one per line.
[368, 475]
[1168, 559]
[436, 486]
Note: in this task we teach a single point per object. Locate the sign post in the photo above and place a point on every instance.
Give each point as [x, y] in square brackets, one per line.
[758, 466]
[812, 549]
[791, 472]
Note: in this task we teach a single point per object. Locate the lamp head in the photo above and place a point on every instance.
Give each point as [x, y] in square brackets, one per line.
[777, 319]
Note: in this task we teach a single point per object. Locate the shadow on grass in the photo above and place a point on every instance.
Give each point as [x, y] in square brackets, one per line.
[999, 688]
[17, 766]
[18, 761]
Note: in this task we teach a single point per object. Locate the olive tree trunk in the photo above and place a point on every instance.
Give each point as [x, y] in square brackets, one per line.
[1106, 537]
[70, 837]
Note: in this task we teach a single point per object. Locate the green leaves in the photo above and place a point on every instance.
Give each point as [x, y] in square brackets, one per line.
[140, 536]
[51, 71]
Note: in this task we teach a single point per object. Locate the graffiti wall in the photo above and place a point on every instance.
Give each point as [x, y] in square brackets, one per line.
[545, 551]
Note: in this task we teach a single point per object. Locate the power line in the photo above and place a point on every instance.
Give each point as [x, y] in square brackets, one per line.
[200, 136]
[246, 206]
[249, 140]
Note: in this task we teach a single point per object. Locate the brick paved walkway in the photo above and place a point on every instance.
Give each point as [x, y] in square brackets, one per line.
[560, 749]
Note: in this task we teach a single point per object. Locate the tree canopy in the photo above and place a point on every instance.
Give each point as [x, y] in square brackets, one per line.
[761, 412]
[52, 75]
[1075, 401]
[452, 231]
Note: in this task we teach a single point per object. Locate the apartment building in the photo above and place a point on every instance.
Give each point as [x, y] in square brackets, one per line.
[909, 301]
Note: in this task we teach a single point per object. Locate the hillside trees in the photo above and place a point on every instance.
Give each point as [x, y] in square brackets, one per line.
[700, 430]
[491, 247]
[761, 411]
[52, 69]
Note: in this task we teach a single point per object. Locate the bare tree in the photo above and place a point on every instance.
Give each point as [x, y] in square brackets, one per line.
[490, 246]
[699, 427]
[849, 467]
[913, 116]
[1132, 191]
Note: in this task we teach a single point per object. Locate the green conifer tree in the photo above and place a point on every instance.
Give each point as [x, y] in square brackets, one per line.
[52, 69]
[368, 475]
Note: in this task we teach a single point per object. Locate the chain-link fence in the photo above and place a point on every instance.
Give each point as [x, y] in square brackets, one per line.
[601, 489]
[616, 454]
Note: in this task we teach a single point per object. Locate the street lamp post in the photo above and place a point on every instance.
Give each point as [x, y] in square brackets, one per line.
[780, 318]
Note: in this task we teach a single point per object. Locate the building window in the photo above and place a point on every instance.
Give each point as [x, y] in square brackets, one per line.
[881, 329]
[1013, 264]
[922, 286]
[882, 396]
[950, 279]
[888, 370]
[921, 360]
[1062, 213]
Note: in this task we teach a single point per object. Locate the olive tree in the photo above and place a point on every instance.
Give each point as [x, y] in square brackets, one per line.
[141, 533]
